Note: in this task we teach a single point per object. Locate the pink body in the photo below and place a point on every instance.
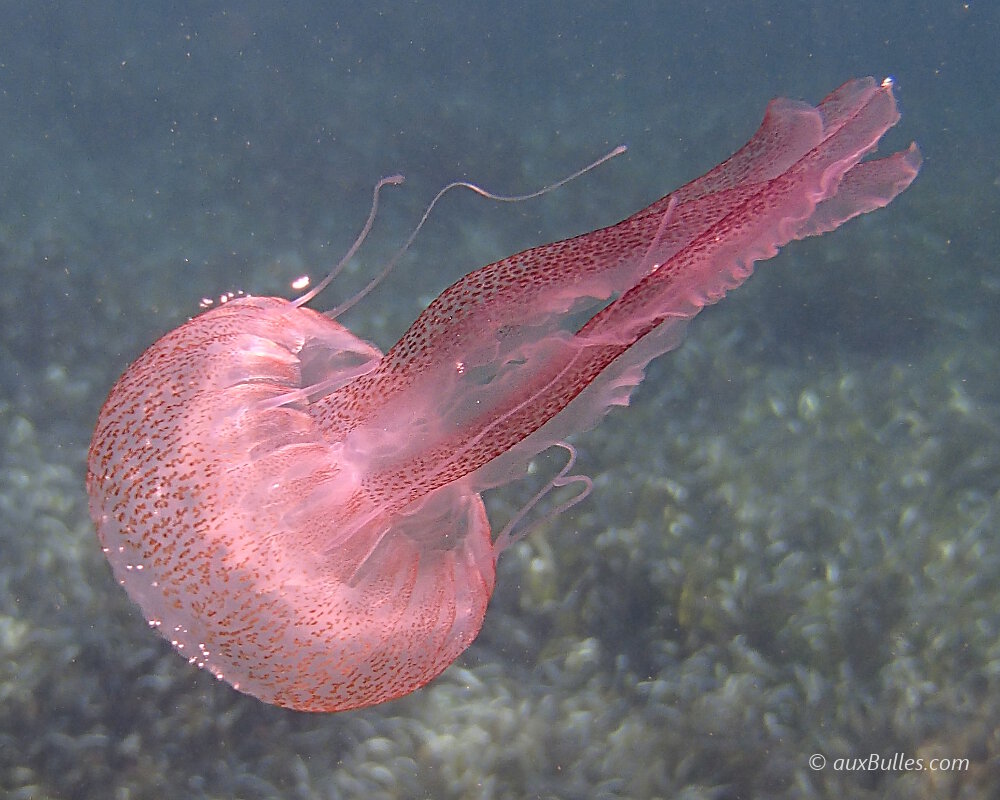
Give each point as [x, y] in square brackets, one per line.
[301, 515]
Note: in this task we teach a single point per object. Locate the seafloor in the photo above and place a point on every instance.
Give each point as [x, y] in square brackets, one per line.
[791, 544]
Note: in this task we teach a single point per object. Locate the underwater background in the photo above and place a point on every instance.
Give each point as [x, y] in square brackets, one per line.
[791, 548]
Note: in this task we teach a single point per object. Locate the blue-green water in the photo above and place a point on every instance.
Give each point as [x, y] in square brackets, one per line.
[791, 546]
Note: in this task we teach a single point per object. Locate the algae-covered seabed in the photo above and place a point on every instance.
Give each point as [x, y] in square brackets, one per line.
[790, 549]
